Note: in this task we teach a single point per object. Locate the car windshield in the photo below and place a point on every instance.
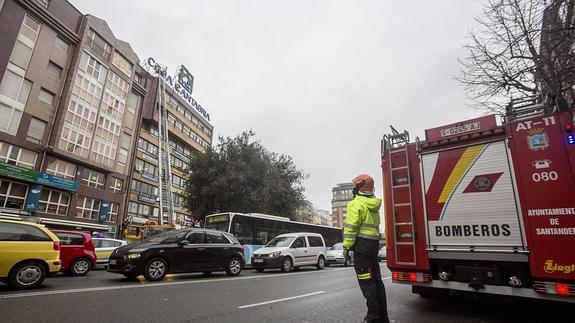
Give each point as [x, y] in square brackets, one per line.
[280, 242]
[337, 246]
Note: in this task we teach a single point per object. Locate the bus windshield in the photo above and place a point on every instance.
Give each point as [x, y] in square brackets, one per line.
[219, 222]
[280, 242]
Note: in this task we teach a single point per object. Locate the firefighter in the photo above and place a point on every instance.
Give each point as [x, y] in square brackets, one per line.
[361, 234]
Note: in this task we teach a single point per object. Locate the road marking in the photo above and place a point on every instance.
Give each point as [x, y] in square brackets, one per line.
[281, 299]
[106, 288]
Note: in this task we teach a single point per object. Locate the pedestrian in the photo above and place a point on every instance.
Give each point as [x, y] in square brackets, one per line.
[361, 234]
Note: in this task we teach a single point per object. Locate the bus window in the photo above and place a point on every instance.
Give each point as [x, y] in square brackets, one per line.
[265, 231]
[242, 229]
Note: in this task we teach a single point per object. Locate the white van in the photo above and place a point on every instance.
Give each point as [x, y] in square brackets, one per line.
[291, 250]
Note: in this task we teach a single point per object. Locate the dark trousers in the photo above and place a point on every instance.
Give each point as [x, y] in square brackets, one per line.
[371, 284]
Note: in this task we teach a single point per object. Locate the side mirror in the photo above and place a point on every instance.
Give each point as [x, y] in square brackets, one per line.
[183, 243]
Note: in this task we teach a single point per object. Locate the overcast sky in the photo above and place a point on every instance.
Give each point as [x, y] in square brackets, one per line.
[320, 81]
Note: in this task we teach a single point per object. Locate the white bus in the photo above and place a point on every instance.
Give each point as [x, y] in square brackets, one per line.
[254, 230]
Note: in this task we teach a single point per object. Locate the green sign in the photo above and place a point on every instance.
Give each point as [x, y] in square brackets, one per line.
[18, 172]
[218, 218]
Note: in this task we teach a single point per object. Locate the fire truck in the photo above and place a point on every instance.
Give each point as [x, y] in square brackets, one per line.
[484, 205]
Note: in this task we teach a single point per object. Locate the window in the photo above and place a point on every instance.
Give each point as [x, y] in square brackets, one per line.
[61, 168]
[54, 202]
[46, 97]
[93, 178]
[195, 237]
[179, 200]
[142, 210]
[144, 188]
[113, 213]
[36, 131]
[12, 194]
[147, 147]
[80, 120]
[70, 238]
[315, 242]
[87, 208]
[98, 44]
[299, 243]
[216, 238]
[122, 156]
[178, 181]
[55, 69]
[21, 55]
[14, 91]
[116, 185]
[17, 156]
[147, 170]
[132, 105]
[122, 64]
[61, 45]
[21, 232]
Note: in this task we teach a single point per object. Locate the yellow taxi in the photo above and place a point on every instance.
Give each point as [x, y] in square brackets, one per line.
[28, 253]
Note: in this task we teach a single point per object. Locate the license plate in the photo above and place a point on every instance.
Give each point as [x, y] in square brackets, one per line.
[258, 260]
[112, 261]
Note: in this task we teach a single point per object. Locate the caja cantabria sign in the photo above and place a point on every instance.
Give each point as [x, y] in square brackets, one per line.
[182, 82]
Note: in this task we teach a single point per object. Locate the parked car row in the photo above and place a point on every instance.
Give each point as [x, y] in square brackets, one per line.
[30, 252]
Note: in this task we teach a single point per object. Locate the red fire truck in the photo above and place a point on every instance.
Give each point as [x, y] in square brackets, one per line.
[484, 206]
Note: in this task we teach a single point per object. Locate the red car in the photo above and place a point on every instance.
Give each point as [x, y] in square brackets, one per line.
[76, 252]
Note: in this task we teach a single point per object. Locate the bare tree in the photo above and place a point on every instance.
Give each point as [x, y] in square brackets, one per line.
[522, 48]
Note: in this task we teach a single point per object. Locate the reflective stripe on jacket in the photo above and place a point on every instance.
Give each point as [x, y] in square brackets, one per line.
[362, 220]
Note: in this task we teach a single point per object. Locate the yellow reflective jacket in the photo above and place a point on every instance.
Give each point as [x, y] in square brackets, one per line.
[362, 220]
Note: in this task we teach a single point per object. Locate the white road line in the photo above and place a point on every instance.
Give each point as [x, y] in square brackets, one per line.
[281, 299]
[106, 288]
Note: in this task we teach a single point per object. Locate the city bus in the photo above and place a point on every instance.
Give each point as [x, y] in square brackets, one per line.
[254, 230]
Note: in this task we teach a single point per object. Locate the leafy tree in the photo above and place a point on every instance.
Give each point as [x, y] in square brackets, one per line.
[523, 48]
[240, 175]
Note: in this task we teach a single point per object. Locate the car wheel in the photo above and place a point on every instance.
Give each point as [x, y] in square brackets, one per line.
[27, 275]
[234, 267]
[320, 263]
[80, 267]
[260, 270]
[130, 276]
[287, 265]
[156, 269]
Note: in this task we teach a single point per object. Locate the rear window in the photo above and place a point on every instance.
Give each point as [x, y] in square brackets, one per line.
[70, 238]
[315, 241]
[21, 232]
[216, 238]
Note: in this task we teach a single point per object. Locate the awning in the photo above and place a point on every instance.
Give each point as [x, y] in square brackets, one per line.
[74, 224]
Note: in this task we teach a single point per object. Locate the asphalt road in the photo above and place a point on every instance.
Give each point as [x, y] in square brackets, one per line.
[307, 295]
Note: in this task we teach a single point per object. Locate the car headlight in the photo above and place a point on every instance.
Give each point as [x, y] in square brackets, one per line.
[134, 255]
[275, 254]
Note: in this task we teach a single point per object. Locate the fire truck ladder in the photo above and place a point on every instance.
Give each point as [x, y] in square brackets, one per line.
[396, 146]
[164, 163]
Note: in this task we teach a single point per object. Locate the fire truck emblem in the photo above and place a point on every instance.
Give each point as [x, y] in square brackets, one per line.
[482, 183]
[537, 139]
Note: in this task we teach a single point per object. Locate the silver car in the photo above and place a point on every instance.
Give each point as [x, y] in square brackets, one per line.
[105, 247]
[335, 255]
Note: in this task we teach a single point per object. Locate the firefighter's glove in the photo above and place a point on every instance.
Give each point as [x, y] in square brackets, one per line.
[345, 254]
